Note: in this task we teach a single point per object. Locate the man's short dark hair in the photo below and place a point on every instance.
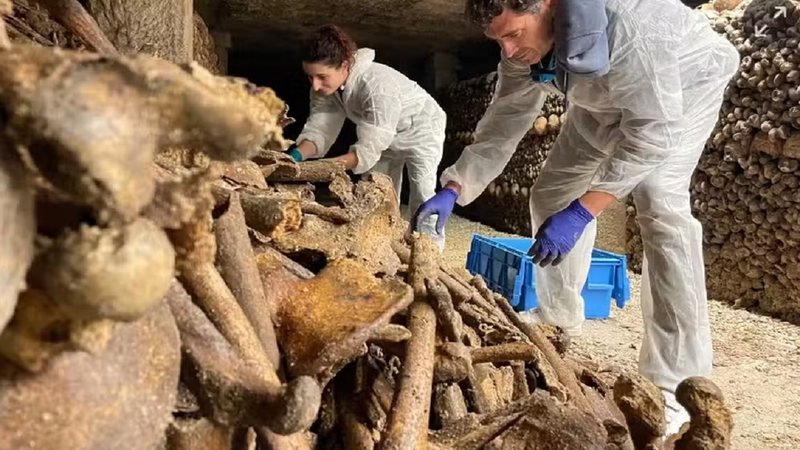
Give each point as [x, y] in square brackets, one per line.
[481, 12]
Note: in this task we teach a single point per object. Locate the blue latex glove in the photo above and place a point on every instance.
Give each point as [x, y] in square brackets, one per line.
[295, 153]
[440, 204]
[558, 234]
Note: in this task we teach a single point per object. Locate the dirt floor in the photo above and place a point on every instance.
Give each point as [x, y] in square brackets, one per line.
[756, 361]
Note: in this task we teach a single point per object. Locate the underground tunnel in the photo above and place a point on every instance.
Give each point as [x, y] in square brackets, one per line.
[172, 278]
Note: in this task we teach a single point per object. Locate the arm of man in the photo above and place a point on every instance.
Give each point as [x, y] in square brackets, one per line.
[517, 100]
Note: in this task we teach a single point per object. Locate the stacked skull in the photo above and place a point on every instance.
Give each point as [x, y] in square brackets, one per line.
[746, 186]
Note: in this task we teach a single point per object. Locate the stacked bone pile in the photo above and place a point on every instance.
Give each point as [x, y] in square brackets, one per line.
[504, 204]
[460, 370]
[167, 280]
[746, 189]
[633, 238]
[56, 23]
[92, 233]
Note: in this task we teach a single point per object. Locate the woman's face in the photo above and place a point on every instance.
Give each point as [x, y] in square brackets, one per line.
[325, 79]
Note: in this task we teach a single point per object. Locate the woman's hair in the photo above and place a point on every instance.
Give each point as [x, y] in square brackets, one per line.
[331, 46]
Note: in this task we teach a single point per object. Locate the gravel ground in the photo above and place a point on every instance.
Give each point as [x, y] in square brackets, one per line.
[756, 360]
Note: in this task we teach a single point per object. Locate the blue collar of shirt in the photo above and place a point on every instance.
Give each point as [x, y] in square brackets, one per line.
[547, 70]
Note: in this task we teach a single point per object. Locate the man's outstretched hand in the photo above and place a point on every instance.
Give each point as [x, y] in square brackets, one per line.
[440, 204]
[559, 233]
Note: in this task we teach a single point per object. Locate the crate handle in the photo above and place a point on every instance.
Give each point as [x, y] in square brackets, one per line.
[520, 280]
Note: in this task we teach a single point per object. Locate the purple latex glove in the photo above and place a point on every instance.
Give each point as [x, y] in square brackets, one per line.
[558, 234]
[440, 204]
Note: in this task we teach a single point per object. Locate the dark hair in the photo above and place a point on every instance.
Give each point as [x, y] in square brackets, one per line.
[481, 12]
[331, 46]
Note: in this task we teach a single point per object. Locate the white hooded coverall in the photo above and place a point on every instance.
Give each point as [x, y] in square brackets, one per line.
[639, 129]
[397, 123]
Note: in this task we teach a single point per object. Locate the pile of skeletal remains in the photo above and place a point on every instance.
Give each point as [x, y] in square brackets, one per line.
[170, 279]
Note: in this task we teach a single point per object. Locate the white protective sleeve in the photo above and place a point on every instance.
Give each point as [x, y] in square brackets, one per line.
[380, 112]
[517, 100]
[324, 123]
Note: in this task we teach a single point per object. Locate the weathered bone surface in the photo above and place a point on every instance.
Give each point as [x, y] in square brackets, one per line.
[114, 273]
[408, 418]
[237, 266]
[643, 406]
[181, 194]
[565, 376]
[554, 425]
[17, 229]
[121, 397]
[449, 405]
[474, 431]
[711, 421]
[279, 277]
[5, 9]
[453, 362]
[72, 15]
[258, 102]
[231, 392]
[321, 171]
[198, 434]
[391, 333]
[162, 29]
[367, 238]
[270, 216]
[243, 173]
[327, 319]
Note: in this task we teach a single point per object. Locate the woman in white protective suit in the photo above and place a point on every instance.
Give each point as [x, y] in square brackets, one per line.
[644, 82]
[397, 122]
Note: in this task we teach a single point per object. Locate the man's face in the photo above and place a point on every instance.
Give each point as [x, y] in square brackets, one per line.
[325, 80]
[524, 37]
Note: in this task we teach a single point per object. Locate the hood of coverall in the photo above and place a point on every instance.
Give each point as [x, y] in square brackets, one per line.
[581, 42]
[364, 58]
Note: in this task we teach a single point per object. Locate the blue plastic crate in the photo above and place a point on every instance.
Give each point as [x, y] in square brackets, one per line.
[507, 269]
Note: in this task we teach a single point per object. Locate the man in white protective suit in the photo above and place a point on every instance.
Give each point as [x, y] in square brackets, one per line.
[644, 82]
